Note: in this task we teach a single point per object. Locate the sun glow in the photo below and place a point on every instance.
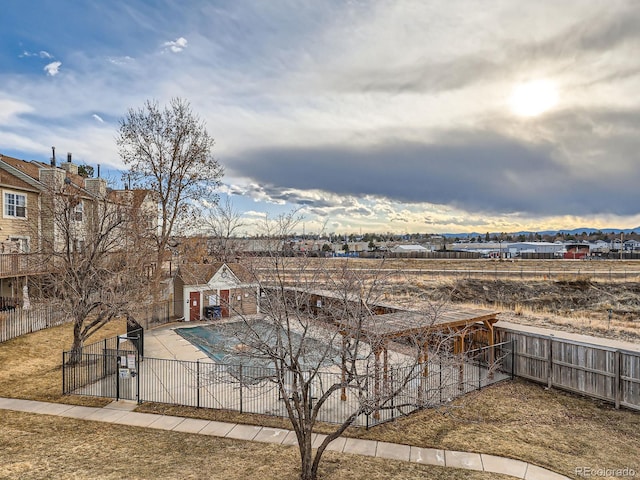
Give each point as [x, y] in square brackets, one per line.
[533, 98]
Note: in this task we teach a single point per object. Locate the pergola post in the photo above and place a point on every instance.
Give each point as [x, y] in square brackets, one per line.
[460, 351]
[492, 353]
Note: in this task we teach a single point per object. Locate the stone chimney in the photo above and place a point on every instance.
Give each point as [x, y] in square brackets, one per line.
[96, 186]
[69, 166]
[52, 177]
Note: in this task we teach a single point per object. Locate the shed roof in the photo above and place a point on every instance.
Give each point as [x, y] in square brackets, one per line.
[200, 274]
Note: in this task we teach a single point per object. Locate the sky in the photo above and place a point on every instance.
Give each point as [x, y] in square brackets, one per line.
[367, 116]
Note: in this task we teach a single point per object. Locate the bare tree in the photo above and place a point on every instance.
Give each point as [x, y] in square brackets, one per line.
[223, 223]
[95, 253]
[323, 346]
[168, 152]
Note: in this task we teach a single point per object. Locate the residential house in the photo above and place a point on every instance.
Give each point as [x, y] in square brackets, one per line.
[30, 192]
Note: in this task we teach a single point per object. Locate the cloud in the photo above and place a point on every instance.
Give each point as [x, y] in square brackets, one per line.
[120, 60]
[40, 54]
[474, 171]
[52, 68]
[11, 109]
[176, 46]
[388, 112]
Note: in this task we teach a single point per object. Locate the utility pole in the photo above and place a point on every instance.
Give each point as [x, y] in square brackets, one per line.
[621, 238]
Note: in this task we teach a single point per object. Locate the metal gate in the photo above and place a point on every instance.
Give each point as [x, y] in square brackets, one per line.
[105, 369]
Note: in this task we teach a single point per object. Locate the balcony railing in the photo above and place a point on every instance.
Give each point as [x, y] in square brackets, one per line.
[19, 264]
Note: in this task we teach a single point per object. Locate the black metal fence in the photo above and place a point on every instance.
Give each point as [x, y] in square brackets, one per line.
[397, 391]
[155, 314]
[101, 365]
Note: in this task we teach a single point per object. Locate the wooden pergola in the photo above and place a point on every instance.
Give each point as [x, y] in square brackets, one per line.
[420, 326]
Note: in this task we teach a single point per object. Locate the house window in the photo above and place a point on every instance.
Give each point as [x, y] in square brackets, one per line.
[15, 205]
[78, 212]
[22, 243]
[78, 245]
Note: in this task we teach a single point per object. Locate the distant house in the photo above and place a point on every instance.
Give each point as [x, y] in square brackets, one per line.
[632, 245]
[600, 246]
[208, 291]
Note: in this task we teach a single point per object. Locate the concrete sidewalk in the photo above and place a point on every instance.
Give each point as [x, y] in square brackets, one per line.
[122, 413]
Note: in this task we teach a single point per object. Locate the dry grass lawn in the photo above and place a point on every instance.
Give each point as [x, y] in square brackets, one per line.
[32, 364]
[514, 419]
[44, 447]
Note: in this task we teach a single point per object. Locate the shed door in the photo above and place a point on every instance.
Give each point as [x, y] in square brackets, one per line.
[224, 302]
[194, 306]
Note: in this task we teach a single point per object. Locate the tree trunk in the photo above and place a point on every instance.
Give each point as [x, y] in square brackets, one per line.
[76, 347]
[307, 465]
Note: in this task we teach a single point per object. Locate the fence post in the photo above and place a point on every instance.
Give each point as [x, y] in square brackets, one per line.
[440, 389]
[393, 397]
[513, 358]
[64, 385]
[617, 358]
[105, 361]
[198, 383]
[550, 363]
[117, 369]
[241, 379]
[138, 374]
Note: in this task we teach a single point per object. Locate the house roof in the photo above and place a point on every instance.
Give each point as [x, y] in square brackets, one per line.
[198, 274]
[17, 173]
[28, 173]
[32, 169]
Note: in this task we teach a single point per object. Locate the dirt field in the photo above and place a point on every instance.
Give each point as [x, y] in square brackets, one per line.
[599, 298]
[632, 267]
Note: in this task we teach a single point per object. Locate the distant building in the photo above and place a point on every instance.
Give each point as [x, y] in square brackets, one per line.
[409, 249]
[518, 248]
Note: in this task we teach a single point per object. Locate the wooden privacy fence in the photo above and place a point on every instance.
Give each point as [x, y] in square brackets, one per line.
[21, 321]
[597, 371]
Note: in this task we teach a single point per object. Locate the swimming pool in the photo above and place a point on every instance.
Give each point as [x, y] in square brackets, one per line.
[223, 343]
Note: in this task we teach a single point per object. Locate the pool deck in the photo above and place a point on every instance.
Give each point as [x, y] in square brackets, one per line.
[163, 342]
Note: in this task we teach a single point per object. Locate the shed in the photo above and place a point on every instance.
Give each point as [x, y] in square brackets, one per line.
[208, 291]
